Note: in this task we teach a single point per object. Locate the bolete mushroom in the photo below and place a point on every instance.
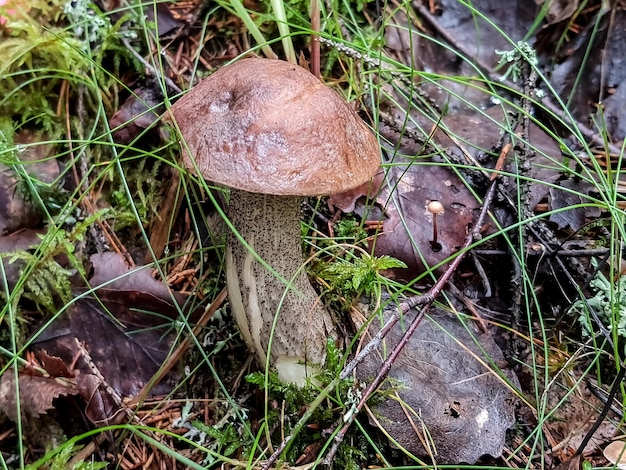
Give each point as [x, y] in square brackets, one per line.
[273, 133]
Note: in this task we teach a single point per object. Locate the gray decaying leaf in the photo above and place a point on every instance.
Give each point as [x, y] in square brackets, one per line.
[558, 10]
[456, 404]
[575, 217]
[604, 74]
[478, 37]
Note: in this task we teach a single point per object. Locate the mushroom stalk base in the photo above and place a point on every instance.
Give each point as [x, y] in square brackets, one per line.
[265, 306]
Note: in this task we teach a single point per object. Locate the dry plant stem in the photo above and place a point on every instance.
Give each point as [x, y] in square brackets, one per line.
[432, 294]
[149, 66]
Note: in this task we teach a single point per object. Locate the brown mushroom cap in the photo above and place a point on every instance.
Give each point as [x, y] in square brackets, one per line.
[267, 126]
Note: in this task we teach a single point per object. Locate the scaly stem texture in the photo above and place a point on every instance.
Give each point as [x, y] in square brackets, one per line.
[271, 227]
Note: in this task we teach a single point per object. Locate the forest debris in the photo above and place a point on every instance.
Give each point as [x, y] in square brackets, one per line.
[137, 113]
[573, 218]
[407, 223]
[574, 415]
[37, 393]
[443, 398]
[17, 210]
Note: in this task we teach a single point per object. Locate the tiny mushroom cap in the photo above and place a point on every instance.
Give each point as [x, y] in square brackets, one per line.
[615, 453]
[435, 207]
[268, 126]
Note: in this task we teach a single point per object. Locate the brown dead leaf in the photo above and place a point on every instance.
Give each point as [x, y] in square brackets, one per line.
[573, 416]
[571, 464]
[558, 10]
[111, 271]
[53, 365]
[101, 407]
[128, 335]
[137, 113]
[347, 200]
[36, 394]
[408, 229]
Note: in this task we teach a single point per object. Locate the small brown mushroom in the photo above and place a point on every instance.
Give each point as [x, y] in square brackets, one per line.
[272, 132]
[615, 453]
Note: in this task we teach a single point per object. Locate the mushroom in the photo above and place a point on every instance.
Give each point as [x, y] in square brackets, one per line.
[435, 208]
[615, 453]
[273, 133]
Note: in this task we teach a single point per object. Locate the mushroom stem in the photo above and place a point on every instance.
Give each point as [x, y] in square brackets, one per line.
[271, 226]
[434, 241]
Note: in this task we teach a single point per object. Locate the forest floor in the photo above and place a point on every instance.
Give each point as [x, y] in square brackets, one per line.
[505, 312]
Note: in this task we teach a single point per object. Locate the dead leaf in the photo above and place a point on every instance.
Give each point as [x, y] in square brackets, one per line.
[128, 336]
[137, 113]
[53, 365]
[478, 37]
[451, 397]
[571, 464]
[605, 73]
[558, 10]
[111, 271]
[574, 414]
[347, 200]
[36, 394]
[408, 228]
[575, 217]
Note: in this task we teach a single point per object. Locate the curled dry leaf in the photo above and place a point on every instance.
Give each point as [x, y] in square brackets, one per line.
[138, 112]
[36, 394]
